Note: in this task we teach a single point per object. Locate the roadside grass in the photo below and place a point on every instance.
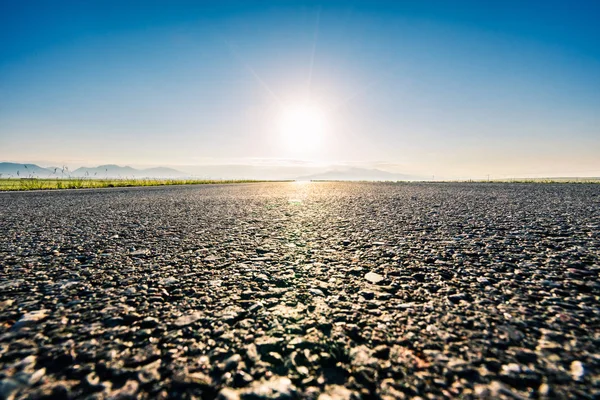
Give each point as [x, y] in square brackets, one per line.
[22, 184]
[12, 184]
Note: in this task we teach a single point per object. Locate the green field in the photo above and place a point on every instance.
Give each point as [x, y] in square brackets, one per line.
[82, 183]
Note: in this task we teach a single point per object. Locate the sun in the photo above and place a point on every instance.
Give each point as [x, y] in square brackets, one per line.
[303, 127]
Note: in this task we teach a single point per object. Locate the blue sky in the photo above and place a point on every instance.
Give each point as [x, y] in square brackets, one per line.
[455, 89]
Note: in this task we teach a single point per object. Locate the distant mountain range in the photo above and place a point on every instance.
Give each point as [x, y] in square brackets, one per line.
[301, 172]
[116, 171]
[298, 172]
[14, 170]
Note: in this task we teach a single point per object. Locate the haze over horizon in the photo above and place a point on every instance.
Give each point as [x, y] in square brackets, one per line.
[429, 88]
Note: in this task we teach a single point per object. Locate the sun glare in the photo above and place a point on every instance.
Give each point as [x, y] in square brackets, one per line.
[303, 127]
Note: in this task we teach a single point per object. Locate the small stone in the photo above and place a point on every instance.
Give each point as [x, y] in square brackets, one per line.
[252, 353]
[336, 392]
[267, 344]
[127, 391]
[8, 388]
[275, 388]
[368, 295]
[316, 292]
[456, 298]
[228, 394]
[482, 391]
[30, 319]
[526, 356]
[195, 379]
[91, 380]
[6, 303]
[382, 352]
[148, 374]
[149, 322]
[26, 362]
[188, 319]
[511, 368]
[273, 358]
[232, 362]
[577, 370]
[373, 277]
[360, 356]
[169, 281]
[255, 307]
[37, 376]
[61, 391]
[241, 379]
[497, 390]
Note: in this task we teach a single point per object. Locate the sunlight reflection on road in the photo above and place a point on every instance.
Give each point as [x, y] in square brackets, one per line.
[300, 193]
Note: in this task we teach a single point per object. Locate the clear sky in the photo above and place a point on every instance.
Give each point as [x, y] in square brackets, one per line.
[451, 88]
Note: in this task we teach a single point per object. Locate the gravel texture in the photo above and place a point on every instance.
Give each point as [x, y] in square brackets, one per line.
[301, 290]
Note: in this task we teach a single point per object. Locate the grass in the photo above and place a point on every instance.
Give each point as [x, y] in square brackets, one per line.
[15, 184]
[11, 184]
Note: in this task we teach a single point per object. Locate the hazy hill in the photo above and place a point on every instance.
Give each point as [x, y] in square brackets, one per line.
[358, 174]
[14, 170]
[116, 171]
[164, 172]
[299, 172]
[105, 171]
[208, 171]
[248, 171]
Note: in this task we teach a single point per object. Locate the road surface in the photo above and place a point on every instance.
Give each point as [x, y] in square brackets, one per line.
[301, 290]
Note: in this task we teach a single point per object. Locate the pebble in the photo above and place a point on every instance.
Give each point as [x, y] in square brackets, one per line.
[456, 298]
[188, 319]
[232, 362]
[127, 391]
[8, 388]
[577, 370]
[373, 277]
[31, 318]
[336, 392]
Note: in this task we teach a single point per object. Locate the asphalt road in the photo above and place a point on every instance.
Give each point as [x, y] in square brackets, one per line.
[301, 290]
